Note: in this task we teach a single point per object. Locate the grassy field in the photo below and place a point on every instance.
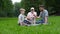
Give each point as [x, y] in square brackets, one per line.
[9, 26]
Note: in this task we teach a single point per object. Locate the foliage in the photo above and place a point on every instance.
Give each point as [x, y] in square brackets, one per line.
[27, 4]
[54, 5]
[6, 8]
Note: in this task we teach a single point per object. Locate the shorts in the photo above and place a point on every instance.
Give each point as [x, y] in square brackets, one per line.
[26, 21]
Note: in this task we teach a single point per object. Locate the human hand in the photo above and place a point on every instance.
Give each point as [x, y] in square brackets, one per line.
[38, 17]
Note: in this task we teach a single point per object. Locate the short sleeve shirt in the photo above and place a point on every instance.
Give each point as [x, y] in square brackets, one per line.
[31, 15]
[21, 18]
[44, 14]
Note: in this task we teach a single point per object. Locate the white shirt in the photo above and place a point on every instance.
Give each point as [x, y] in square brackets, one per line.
[31, 16]
[21, 18]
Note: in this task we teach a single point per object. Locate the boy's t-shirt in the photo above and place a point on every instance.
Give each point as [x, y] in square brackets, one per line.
[44, 14]
[21, 18]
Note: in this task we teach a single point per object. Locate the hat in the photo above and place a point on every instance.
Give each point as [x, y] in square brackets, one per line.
[32, 8]
[22, 9]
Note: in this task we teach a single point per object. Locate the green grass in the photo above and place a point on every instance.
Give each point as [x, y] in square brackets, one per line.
[9, 26]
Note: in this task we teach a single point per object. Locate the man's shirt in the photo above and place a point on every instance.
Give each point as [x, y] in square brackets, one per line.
[44, 14]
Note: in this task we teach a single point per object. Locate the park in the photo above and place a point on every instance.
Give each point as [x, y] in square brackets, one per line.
[9, 12]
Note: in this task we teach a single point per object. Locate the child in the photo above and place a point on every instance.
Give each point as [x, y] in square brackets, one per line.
[21, 17]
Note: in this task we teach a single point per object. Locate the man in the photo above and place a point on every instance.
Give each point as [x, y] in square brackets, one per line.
[43, 15]
[32, 15]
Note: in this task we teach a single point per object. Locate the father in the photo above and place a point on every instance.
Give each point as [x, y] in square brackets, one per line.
[43, 15]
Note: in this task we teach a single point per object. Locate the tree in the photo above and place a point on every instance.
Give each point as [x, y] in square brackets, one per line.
[27, 4]
[6, 8]
[17, 6]
[55, 4]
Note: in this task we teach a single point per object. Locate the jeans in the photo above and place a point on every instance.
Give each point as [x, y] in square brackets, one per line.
[27, 22]
[40, 21]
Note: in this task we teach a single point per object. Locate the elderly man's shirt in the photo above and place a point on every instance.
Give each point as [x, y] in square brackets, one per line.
[31, 16]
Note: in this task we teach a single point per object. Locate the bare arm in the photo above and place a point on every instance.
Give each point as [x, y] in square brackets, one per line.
[46, 16]
[39, 15]
[45, 19]
[28, 16]
[35, 15]
[20, 20]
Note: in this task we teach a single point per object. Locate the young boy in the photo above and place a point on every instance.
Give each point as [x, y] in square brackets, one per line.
[21, 17]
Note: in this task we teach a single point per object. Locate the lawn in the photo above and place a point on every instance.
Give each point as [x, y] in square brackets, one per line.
[9, 26]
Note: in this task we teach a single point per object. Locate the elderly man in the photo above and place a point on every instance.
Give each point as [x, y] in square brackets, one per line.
[32, 15]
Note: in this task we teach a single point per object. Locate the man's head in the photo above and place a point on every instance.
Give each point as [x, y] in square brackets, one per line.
[41, 7]
[32, 9]
[22, 11]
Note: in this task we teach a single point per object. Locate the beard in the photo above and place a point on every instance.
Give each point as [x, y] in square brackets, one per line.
[41, 10]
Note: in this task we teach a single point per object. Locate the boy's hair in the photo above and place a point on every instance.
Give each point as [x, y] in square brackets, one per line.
[22, 9]
[42, 6]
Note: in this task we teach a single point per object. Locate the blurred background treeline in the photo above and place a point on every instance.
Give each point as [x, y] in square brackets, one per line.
[8, 9]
